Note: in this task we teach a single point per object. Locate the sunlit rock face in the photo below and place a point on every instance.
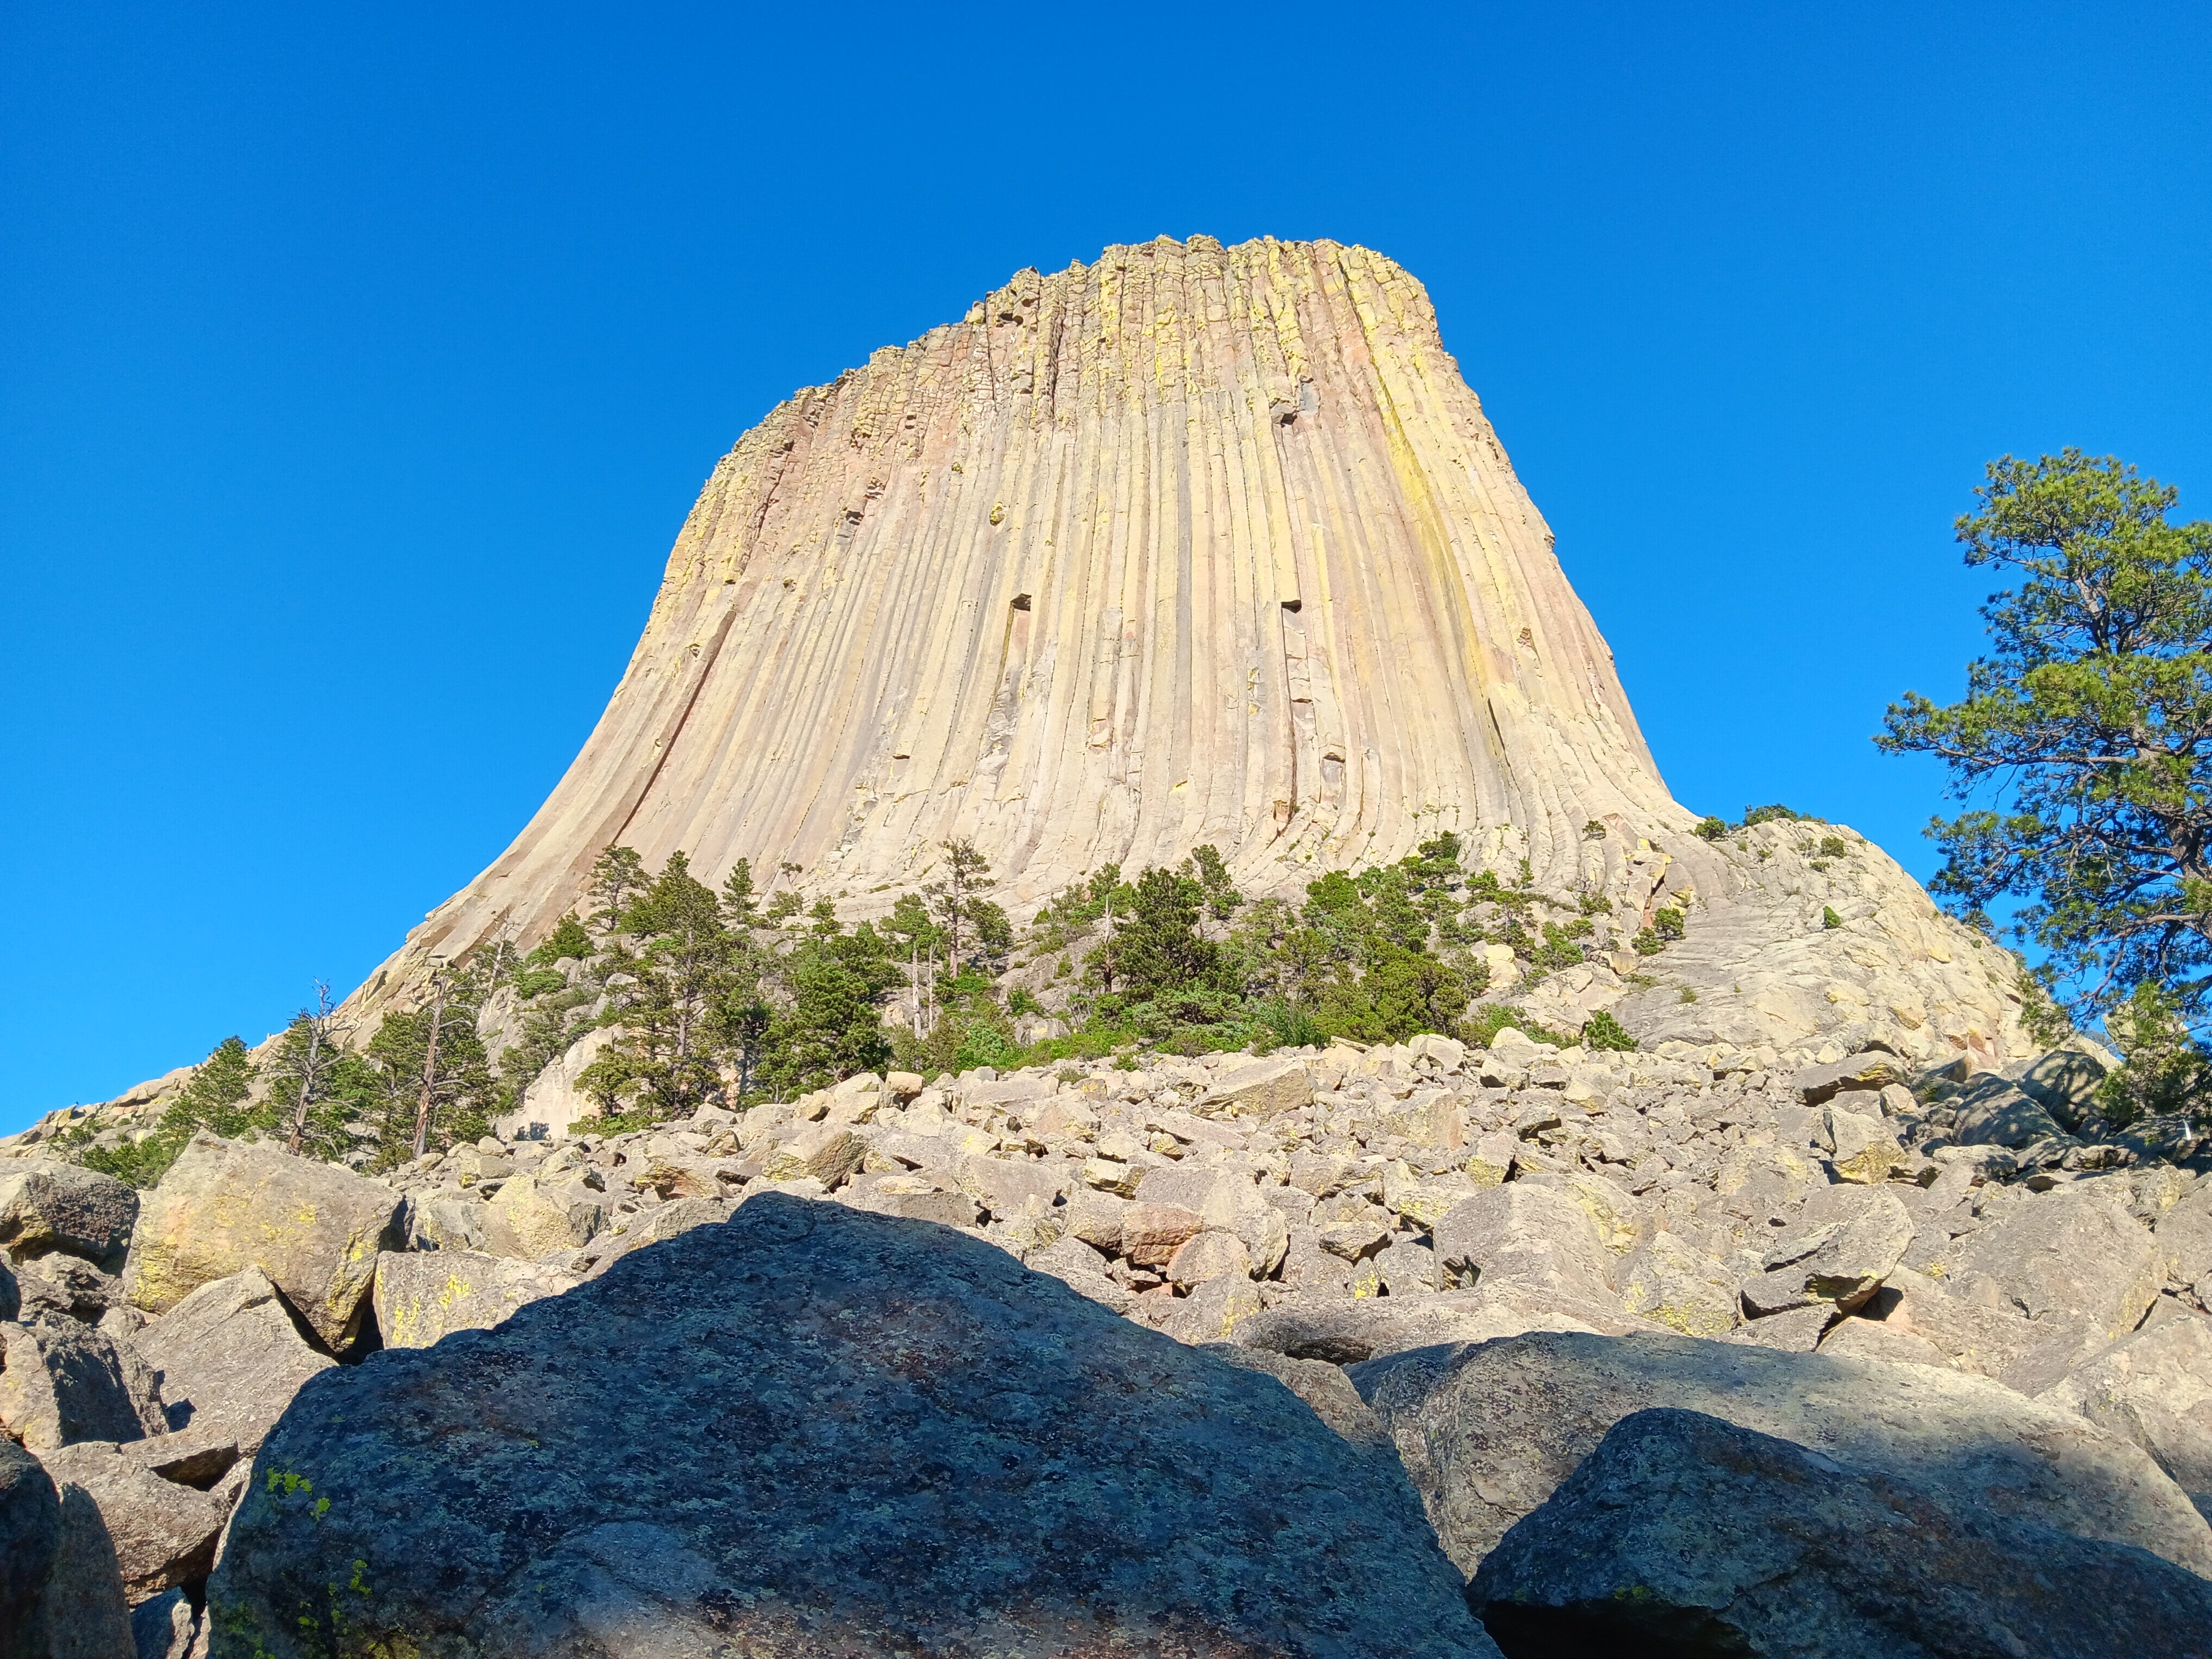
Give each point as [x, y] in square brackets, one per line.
[1190, 545]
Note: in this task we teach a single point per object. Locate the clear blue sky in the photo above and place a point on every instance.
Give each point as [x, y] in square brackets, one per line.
[358, 365]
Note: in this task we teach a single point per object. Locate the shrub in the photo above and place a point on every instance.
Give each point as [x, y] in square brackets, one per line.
[1710, 828]
[1487, 1021]
[1773, 814]
[1604, 1031]
[1593, 830]
[1689, 994]
[537, 982]
[1668, 924]
[1829, 918]
[1022, 1000]
[1292, 1026]
[1831, 847]
[1648, 944]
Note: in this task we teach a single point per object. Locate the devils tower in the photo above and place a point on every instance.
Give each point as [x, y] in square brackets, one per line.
[1190, 545]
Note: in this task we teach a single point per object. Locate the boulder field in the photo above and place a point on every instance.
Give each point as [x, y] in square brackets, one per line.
[1408, 1349]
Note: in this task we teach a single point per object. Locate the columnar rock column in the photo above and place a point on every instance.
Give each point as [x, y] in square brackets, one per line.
[1190, 545]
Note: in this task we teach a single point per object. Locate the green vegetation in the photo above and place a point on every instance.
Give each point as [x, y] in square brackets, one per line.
[731, 996]
[1829, 918]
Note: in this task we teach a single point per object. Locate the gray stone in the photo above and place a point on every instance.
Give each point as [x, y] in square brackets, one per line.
[853, 1434]
[1010, 1187]
[225, 1207]
[1536, 1238]
[47, 1207]
[1684, 1533]
[1855, 1338]
[65, 1381]
[163, 1626]
[2063, 1083]
[419, 1297]
[1671, 1282]
[1345, 1331]
[80, 1611]
[1487, 1431]
[163, 1534]
[654, 1226]
[1842, 1243]
[30, 1533]
[2154, 1388]
[446, 1219]
[230, 1357]
[1794, 1330]
[65, 1286]
[1328, 1392]
[1818, 1083]
[2005, 1118]
[2077, 1264]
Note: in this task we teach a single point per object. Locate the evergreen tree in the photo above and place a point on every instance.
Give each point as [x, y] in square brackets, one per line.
[568, 939]
[952, 899]
[1158, 953]
[617, 878]
[315, 1087]
[834, 1028]
[436, 1083]
[740, 908]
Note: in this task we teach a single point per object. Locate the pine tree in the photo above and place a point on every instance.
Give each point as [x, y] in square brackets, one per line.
[740, 906]
[618, 877]
[952, 899]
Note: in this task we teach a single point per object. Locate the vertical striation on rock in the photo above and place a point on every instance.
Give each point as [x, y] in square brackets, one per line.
[1192, 544]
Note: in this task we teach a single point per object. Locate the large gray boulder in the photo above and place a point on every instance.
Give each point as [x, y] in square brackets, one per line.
[230, 1358]
[61, 1592]
[225, 1205]
[2077, 1264]
[2154, 1388]
[424, 1295]
[1536, 1238]
[47, 1207]
[810, 1429]
[62, 1382]
[1487, 1431]
[163, 1533]
[1683, 1534]
[30, 1533]
[1841, 1244]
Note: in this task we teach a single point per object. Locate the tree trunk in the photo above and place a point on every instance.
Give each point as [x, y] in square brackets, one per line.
[430, 1068]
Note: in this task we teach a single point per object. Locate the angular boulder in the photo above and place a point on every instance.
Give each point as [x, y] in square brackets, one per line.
[1684, 1533]
[163, 1534]
[47, 1207]
[77, 1610]
[527, 1219]
[1535, 1237]
[1674, 1284]
[62, 1382]
[894, 1439]
[30, 1533]
[1848, 1240]
[230, 1358]
[1817, 1084]
[1257, 1088]
[2077, 1264]
[423, 1295]
[1487, 1431]
[225, 1205]
[2154, 1388]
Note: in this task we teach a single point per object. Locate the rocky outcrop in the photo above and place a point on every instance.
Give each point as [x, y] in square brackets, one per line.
[1488, 1431]
[421, 1297]
[1191, 544]
[46, 1205]
[891, 1437]
[61, 1591]
[231, 1359]
[225, 1205]
[1684, 1533]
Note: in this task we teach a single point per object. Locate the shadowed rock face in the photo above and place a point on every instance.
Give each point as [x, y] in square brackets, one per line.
[1192, 544]
[1682, 1534]
[811, 1430]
